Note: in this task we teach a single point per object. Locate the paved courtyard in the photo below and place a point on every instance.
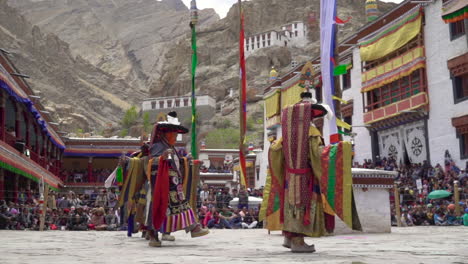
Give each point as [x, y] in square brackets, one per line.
[403, 245]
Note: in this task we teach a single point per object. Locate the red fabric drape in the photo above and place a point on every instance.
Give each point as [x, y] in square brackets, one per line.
[161, 194]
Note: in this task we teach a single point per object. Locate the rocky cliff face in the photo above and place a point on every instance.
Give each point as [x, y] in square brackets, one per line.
[218, 46]
[121, 51]
[79, 94]
[124, 38]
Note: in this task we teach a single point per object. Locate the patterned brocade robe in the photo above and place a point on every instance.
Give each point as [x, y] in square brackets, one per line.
[302, 211]
[317, 180]
[179, 214]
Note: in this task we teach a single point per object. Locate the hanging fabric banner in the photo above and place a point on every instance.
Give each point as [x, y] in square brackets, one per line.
[415, 142]
[391, 144]
[393, 69]
[242, 99]
[291, 95]
[272, 104]
[327, 50]
[454, 11]
[391, 37]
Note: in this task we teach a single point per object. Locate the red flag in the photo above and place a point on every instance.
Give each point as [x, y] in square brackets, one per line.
[340, 21]
[242, 98]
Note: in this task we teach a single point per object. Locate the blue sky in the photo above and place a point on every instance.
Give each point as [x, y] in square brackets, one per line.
[222, 6]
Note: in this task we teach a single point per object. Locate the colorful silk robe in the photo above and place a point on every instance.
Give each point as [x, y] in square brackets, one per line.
[304, 205]
[172, 192]
[273, 191]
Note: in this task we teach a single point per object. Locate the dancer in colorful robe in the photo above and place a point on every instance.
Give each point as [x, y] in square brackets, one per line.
[169, 188]
[303, 204]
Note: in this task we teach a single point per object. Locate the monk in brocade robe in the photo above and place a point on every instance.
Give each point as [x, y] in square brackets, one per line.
[168, 207]
[298, 152]
[306, 210]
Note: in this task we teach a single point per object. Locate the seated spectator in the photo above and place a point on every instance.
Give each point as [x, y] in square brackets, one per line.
[78, 220]
[451, 217]
[25, 218]
[465, 217]
[112, 221]
[62, 219]
[249, 220]
[5, 218]
[439, 218]
[214, 220]
[202, 213]
[97, 221]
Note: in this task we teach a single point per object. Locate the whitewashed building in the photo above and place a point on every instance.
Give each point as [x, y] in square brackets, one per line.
[293, 34]
[407, 100]
[206, 106]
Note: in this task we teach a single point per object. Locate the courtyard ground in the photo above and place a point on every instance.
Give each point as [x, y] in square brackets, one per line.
[403, 245]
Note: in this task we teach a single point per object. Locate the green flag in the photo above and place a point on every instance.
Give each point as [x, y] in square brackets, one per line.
[119, 176]
[340, 70]
[194, 99]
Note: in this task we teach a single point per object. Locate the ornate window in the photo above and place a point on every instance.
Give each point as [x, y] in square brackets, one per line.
[457, 29]
[459, 72]
[461, 125]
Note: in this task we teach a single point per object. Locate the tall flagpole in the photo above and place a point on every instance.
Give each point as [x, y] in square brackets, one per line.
[195, 176]
[242, 98]
[193, 22]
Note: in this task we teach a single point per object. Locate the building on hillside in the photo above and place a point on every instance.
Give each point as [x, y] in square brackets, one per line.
[406, 87]
[206, 106]
[30, 148]
[253, 164]
[87, 162]
[216, 168]
[293, 34]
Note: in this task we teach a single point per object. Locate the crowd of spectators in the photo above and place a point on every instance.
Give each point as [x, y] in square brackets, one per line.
[212, 169]
[82, 175]
[417, 181]
[68, 211]
[215, 210]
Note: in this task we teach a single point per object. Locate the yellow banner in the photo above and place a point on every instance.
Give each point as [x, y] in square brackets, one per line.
[393, 69]
[272, 104]
[391, 42]
[343, 124]
[339, 99]
[291, 96]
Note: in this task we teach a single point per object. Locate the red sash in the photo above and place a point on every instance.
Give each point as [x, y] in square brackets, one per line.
[161, 194]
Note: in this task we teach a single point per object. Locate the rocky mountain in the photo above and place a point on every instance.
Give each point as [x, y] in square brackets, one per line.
[218, 48]
[125, 38]
[131, 49]
[218, 52]
[79, 94]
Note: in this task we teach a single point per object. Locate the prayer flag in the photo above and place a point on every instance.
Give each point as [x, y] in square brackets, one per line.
[343, 124]
[327, 47]
[119, 176]
[110, 179]
[340, 70]
[242, 98]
